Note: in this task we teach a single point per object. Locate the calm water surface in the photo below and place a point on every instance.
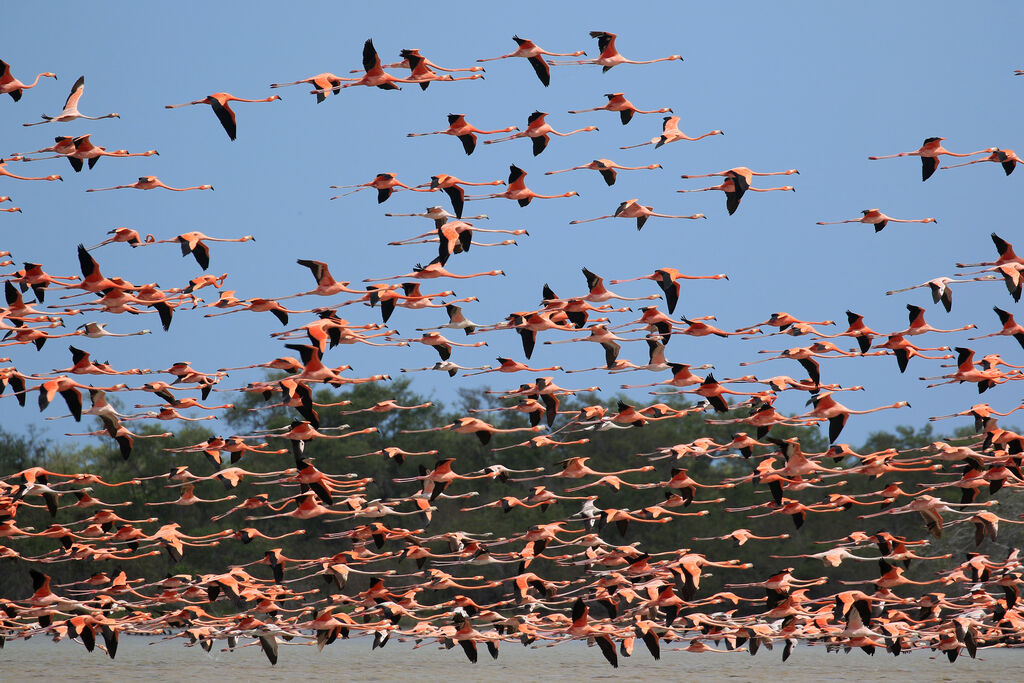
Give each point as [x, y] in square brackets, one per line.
[40, 659]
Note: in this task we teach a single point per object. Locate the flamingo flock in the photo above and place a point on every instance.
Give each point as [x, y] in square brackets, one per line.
[570, 572]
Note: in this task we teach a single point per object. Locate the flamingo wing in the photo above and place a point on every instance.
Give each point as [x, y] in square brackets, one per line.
[542, 69]
[468, 142]
[71, 104]
[928, 167]
[457, 195]
[225, 115]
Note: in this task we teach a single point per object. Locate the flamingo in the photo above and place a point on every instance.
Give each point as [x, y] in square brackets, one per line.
[374, 76]
[509, 365]
[132, 237]
[518, 191]
[966, 372]
[195, 243]
[929, 153]
[919, 326]
[538, 130]
[668, 280]
[632, 208]
[83, 150]
[149, 182]
[220, 101]
[617, 102]
[610, 57]
[436, 213]
[601, 335]
[70, 112]
[1006, 158]
[424, 75]
[414, 52]
[836, 414]
[941, 290]
[95, 330]
[451, 186]
[878, 219]
[1007, 256]
[735, 186]
[384, 183]
[456, 321]
[670, 133]
[1011, 328]
[9, 85]
[465, 132]
[326, 285]
[5, 172]
[433, 270]
[535, 54]
[607, 168]
[325, 84]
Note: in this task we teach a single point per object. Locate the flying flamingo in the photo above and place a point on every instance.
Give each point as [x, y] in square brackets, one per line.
[538, 130]
[9, 85]
[384, 183]
[1011, 327]
[668, 280]
[929, 153]
[424, 75]
[509, 365]
[601, 335]
[326, 285]
[442, 345]
[610, 57]
[878, 219]
[70, 112]
[617, 102]
[325, 84]
[919, 326]
[374, 76]
[966, 372]
[1007, 158]
[132, 237]
[84, 150]
[220, 101]
[407, 53]
[195, 243]
[5, 172]
[743, 172]
[836, 414]
[440, 217]
[518, 191]
[535, 55]
[465, 132]
[904, 350]
[632, 208]
[451, 186]
[941, 290]
[97, 330]
[1006, 255]
[734, 187]
[456, 321]
[670, 133]
[433, 270]
[607, 168]
[150, 182]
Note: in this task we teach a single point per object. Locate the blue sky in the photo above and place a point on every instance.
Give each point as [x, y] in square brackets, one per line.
[793, 85]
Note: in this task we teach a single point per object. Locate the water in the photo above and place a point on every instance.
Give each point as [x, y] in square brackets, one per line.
[41, 659]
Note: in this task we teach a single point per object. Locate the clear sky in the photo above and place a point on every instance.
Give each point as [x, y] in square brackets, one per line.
[813, 86]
